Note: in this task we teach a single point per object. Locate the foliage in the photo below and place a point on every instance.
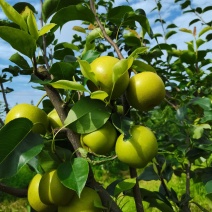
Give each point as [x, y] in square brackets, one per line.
[182, 123]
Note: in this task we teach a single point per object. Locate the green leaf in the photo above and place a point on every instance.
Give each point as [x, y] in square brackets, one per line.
[32, 24]
[194, 21]
[62, 70]
[208, 187]
[46, 29]
[20, 6]
[124, 186]
[95, 33]
[142, 20]
[116, 14]
[186, 30]
[87, 72]
[13, 15]
[19, 40]
[79, 29]
[136, 52]
[74, 175]
[87, 115]
[70, 46]
[207, 8]
[122, 124]
[199, 42]
[204, 30]
[141, 66]
[49, 8]
[12, 134]
[148, 174]
[71, 13]
[199, 129]
[170, 33]
[17, 146]
[188, 57]
[120, 68]
[204, 102]
[90, 55]
[19, 60]
[171, 26]
[101, 95]
[68, 85]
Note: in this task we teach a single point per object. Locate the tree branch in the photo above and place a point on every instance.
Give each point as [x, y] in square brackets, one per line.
[92, 6]
[133, 172]
[18, 192]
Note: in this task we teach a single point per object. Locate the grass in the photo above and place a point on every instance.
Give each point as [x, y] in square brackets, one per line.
[9, 203]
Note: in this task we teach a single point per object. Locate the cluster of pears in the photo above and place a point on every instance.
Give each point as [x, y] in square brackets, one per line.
[46, 193]
[143, 91]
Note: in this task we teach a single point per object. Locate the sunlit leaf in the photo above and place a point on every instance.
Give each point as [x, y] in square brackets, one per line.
[101, 95]
[204, 30]
[32, 24]
[87, 72]
[68, 85]
[13, 15]
[186, 30]
[46, 29]
[19, 40]
[19, 60]
[87, 115]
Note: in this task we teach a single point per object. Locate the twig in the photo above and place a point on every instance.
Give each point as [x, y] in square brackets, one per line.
[92, 5]
[136, 191]
[18, 192]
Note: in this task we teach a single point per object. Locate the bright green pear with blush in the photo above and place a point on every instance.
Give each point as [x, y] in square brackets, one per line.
[139, 149]
[34, 197]
[87, 202]
[36, 115]
[102, 67]
[52, 191]
[100, 141]
[145, 91]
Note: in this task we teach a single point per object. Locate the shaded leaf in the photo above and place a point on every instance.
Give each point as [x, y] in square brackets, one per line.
[12, 134]
[116, 14]
[62, 70]
[71, 13]
[194, 21]
[18, 145]
[124, 185]
[19, 60]
[74, 175]
[170, 33]
[141, 66]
